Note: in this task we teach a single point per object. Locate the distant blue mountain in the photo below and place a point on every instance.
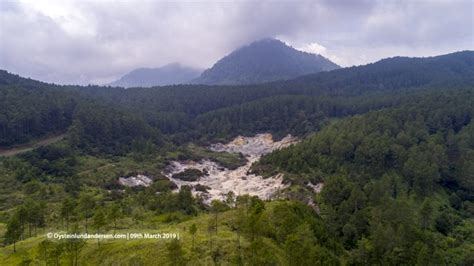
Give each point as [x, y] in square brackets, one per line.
[166, 75]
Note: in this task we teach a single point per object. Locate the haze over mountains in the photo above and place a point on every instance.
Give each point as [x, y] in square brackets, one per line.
[261, 61]
[170, 74]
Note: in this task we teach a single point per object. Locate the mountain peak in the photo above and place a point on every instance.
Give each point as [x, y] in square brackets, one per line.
[268, 40]
[265, 60]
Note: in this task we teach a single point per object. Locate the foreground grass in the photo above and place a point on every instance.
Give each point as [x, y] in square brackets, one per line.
[147, 251]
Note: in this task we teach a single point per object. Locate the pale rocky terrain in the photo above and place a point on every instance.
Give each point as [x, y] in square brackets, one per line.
[316, 188]
[134, 181]
[221, 180]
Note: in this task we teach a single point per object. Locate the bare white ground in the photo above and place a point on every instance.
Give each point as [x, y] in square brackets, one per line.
[316, 188]
[222, 180]
[134, 181]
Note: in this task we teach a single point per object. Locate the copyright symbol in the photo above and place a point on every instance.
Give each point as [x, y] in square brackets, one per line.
[49, 235]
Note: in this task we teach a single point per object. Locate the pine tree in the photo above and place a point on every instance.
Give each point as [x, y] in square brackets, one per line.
[73, 247]
[99, 222]
[216, 207]
[426, 213]
[175, 253]
[192, 231]
[114, 213]
[86, 207]
[68, 208]
[14, 231]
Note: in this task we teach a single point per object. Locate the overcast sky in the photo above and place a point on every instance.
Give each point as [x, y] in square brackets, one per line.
[82, 42]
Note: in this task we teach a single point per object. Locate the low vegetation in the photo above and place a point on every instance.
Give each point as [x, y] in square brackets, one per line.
[190, 175]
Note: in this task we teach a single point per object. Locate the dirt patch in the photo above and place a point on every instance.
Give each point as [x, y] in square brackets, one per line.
[31, 146]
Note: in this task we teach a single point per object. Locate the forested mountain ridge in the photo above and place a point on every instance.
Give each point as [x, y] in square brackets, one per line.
[390, 74]
[169, 74]
[394, 73]
[173, 109]
[239, 103]
[263, 61]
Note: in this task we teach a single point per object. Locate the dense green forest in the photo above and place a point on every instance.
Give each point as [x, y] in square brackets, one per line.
[183, 111]
[404, 172]
[392, 142]
[28, 113]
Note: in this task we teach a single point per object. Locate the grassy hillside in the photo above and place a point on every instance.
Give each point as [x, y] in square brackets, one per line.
[210, 248]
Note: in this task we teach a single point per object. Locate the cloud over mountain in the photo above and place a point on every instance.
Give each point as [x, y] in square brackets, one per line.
[96, 41]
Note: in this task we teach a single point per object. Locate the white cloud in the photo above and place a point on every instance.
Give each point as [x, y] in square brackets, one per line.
[96, 41]
[314, 48]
